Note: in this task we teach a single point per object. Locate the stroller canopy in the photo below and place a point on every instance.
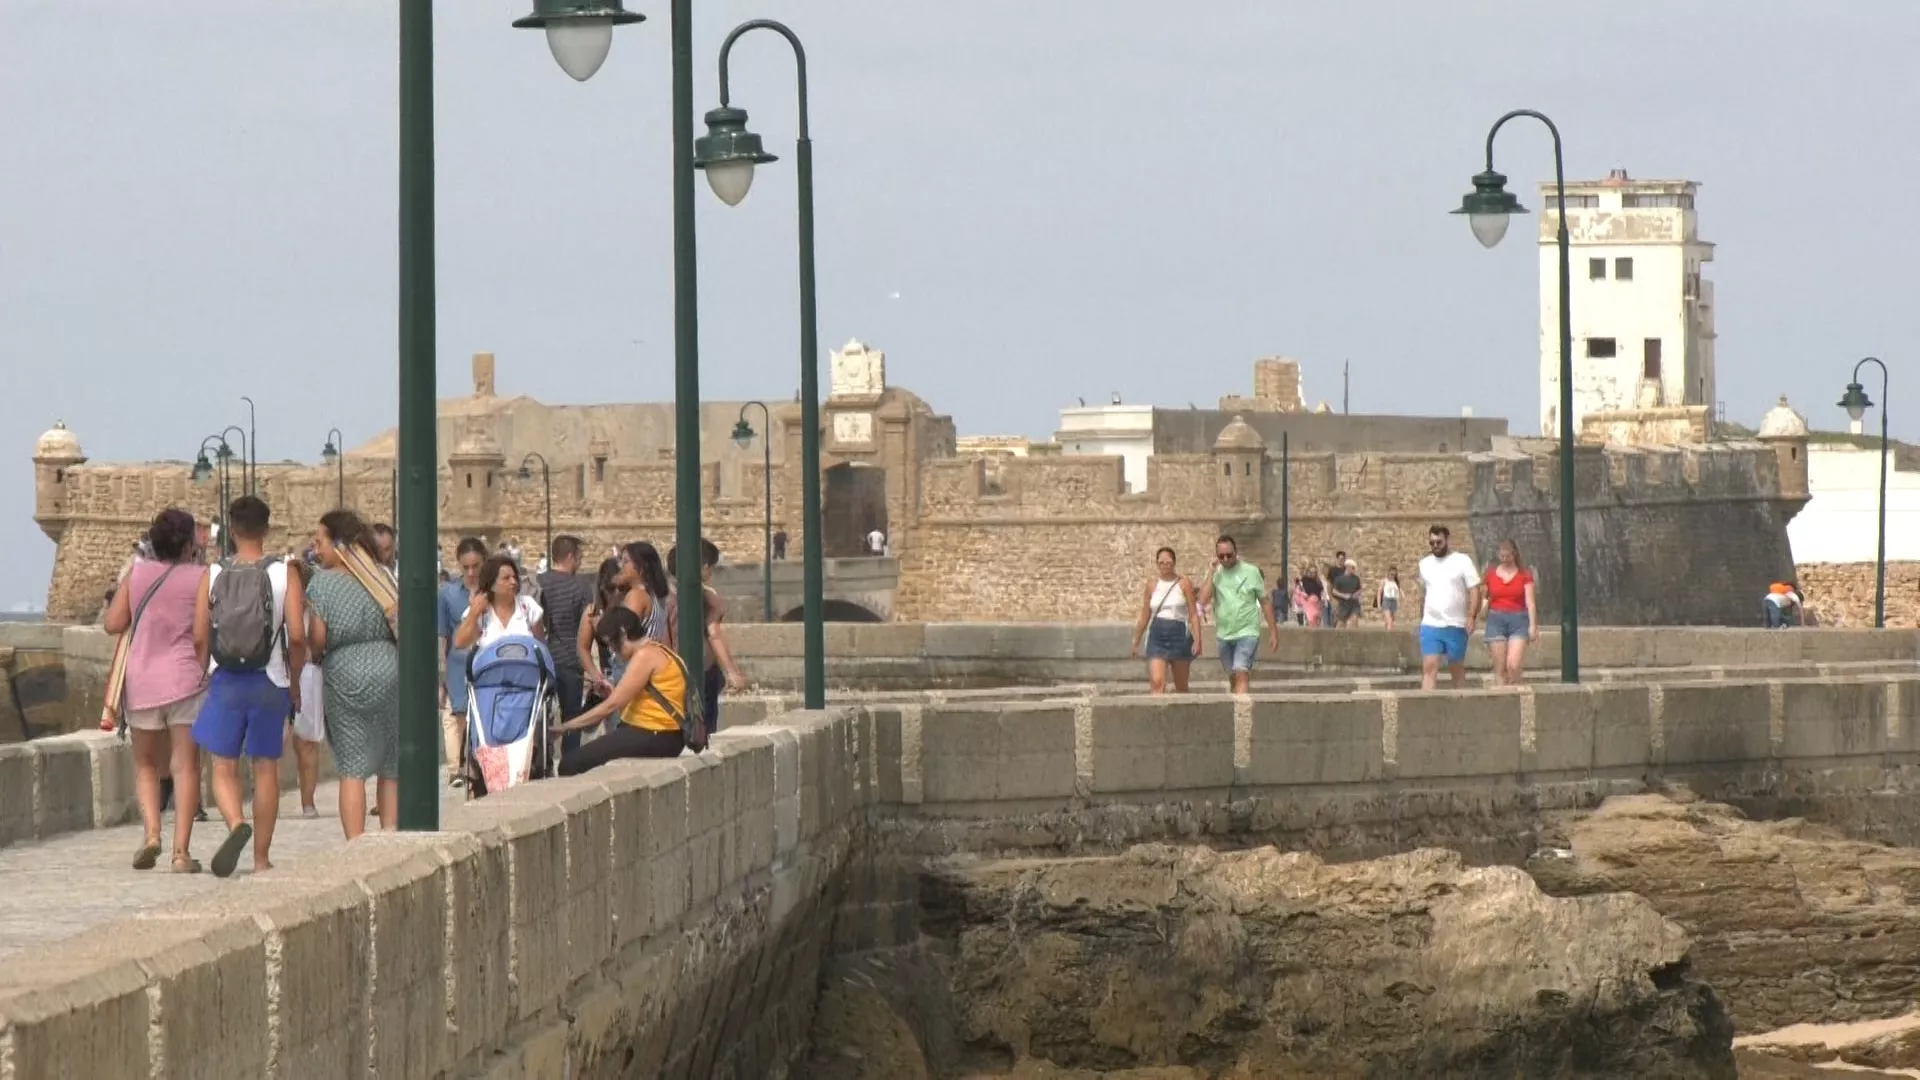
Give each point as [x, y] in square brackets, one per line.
[508, 681]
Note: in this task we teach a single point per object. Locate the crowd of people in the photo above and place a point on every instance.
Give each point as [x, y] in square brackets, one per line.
[1457, 597]
[228, 652]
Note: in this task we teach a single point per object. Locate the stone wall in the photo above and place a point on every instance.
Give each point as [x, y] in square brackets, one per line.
[1682, 536]
[1841, 594]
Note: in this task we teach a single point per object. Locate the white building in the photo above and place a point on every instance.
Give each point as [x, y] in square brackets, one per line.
[1839, 524]
[1642, 315]
[1122, 431]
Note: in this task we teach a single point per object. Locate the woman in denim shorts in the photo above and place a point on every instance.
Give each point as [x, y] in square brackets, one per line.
[1170, 623]
[1512, 621]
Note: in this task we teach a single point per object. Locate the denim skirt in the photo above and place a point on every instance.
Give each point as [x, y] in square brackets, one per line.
[1168, 639]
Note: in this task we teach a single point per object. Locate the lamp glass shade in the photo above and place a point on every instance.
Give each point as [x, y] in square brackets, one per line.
[1488, 207]
[1489, 229]
[202, 468]
[328, 455]
[525, 473]
[743, 435]
[580, 44]
[224, 451]
[1856, 401]
[731, 180]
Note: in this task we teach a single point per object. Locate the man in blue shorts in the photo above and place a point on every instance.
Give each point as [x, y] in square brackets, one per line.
[1451, 584]
[1237, 592]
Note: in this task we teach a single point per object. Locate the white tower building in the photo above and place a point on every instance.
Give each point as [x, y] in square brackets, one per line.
[1642, 314]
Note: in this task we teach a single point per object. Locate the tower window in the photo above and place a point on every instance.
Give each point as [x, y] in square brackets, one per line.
[1596, 269]
[1246, 468]
[1227, 470]
[599, 469]
[1600, 348]
[1623, 269]
[1650, 358]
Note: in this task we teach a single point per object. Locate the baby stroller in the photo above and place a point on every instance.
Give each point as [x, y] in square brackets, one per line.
[511, 705]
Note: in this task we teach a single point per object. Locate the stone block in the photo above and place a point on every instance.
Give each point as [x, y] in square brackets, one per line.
[207, 984]
[669, 868]
[1316, 739]
[888, 754]
[534, 833]
[1451, 733]
[958, 641]
[39, 678]
[111, 763]
[1716, 723]
[323, 940]
[62, 787]
[1830, 719]
[706, 838]
[1903, 708]
[1590, 726]
[985, 755]
[66, 1016]
[18, 763]
[629, 890]
[589, 871]
[1162, 744]
[407, 893]
[887, 639]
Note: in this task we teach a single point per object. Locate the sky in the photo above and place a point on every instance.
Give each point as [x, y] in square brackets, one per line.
[1022, 202]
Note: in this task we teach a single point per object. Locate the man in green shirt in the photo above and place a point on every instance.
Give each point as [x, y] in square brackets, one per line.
[1238, 593]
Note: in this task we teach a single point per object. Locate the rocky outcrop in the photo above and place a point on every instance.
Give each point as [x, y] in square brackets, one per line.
[1258, 963]
[1791, 922]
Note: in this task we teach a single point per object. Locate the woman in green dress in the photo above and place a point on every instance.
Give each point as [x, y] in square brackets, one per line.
[361, 668]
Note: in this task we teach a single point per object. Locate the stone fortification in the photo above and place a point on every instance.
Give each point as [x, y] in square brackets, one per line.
[1841, 594]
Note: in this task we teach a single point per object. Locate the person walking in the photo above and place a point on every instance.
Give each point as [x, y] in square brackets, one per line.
[647, 592]
[1344, 584]
[1387, 597]
[565, 596]
[1238, 593]
[722, 672]
[597, 660]
[651, 702]
[255, 631]
[451, 607]
[1450, 587]
[386, 546]
[1170, 625]
[1313, 599]
[1511, 619]
[780, 545]
[1330, 613]
[309, 709]
[352, 599]
[159, 680]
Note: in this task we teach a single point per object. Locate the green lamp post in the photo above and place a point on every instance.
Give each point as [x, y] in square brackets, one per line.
[579, 32]
[1856, 402]
[1488, 209]
[728, 154]
[331, 457]
[743, 438]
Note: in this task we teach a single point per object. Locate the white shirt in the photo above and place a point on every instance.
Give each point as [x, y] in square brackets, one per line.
[277, 576]
[1783, 600]
[1447, 582]
[876, 541]
[526, 612]
[1389, 590]
[1169, 601]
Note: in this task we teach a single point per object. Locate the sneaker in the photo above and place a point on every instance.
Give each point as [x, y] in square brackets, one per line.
[456, 781]
[309, 812]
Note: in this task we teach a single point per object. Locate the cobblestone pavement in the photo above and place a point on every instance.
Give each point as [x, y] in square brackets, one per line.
[55, 889]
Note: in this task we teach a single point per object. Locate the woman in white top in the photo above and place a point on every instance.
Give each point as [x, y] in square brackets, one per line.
[1170, 623]
[498, 610]
[309, 717]
[1388, 600]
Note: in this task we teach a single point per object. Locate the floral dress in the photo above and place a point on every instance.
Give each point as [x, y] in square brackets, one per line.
[362, 683]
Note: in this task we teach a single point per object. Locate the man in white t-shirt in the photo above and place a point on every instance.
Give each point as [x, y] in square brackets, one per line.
[876, 543]
[257, 656]
[1451, 587]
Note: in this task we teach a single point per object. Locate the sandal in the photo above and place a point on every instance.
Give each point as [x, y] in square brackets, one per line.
[185, 864]
[147, 856]
[227, 857]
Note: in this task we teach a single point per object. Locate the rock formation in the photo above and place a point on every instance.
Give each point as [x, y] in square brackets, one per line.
[1791, 922]
[1190, 962]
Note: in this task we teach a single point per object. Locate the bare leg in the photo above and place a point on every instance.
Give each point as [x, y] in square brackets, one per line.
[1516, 656]
[1458, 672]
[453, 740]
[1156, 676]
[266, 809]
[1181, 669]
[1498, 651]
[1429, 672]
[307, 756]
[149, 758]
[353, 806]
[185, 766]
[1240, 681]
[226, 789]
[389, 804]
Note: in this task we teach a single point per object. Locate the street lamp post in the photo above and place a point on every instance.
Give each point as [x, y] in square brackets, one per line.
[579, 32]
[743, 437]
[1856, 402]
[418, 527]
[331, 454]
[253, 450]
[204, 469]
[1489, 208]
[728, 153]
[546, 480]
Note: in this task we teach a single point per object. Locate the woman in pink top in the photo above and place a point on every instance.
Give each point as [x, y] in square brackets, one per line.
[165, 681]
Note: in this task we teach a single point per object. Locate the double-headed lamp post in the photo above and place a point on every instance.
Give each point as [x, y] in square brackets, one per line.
[546, 481]
[204, 469]
[728, 154]
[331, 454]
[1489, 208]
[743, 438]
[579, 32]
[1856, 402]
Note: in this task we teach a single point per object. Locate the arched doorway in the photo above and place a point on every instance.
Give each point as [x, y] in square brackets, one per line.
[835, 611]
[855, 505]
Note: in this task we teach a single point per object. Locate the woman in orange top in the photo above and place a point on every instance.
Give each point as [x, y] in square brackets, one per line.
[650, 699]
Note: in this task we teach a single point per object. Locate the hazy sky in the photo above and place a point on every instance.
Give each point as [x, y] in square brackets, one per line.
[1071, 197]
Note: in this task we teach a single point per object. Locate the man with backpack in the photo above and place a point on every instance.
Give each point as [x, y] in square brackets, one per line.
[255, 631]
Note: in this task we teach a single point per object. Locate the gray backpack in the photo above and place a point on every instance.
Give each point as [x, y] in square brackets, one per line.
[241, 605]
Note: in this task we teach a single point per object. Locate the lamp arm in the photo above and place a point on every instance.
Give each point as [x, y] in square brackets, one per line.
[799, 61]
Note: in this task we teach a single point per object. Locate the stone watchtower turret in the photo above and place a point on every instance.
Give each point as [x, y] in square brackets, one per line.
[478, 466]
[1239, 467]
[1785, 431]
[57, 451]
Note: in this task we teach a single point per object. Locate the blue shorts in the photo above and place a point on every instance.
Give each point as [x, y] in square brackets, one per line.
[1507, 626]
[1236, 654]
[457, 680]
[1447, 641]
[244, 712]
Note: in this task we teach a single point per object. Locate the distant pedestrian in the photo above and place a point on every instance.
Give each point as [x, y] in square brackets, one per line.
[1170, 625]
[650, 706]
[596, 660]
[386, 546]
[1388, 598]
[309, 709]
[1344, 584]
[644, 577]
[1512, 621]
[722, 672]
[565, 596]
[1781, 606]
[451, 608]
[1239, 595]
[1313, 599]
[499, 608]
[780, 545]
[1330, 614]
[876, 542]
[1450, 587]
[353, 601]
[159, 680]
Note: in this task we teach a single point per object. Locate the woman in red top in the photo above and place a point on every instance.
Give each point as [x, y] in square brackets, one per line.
[1511, 621]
